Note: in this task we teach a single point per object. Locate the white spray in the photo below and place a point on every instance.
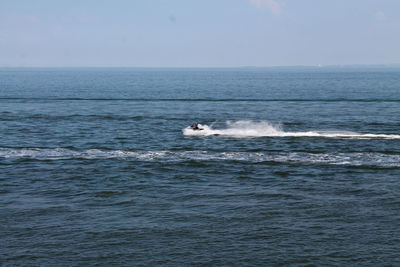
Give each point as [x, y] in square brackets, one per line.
[242, 129]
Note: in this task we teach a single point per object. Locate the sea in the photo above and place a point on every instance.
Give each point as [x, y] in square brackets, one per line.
[292, 166]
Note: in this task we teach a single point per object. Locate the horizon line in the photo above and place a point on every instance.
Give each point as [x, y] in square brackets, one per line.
[221, 67]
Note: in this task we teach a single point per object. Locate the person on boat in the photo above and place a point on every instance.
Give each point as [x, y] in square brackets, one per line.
[195, 126]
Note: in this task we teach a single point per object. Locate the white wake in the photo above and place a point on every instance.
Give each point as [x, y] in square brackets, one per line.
[346, 159]
[240, 129]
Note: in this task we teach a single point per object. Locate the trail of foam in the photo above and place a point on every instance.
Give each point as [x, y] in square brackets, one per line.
[240, 129]
[351, 159]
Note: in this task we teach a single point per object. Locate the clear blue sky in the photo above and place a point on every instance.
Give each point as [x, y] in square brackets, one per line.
[198, 33]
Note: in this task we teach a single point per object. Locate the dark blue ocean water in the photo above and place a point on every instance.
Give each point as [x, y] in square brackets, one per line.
[294, 167]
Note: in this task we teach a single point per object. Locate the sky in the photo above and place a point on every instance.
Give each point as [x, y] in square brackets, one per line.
[198, 33]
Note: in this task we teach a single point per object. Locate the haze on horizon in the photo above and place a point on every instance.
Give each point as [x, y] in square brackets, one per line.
[191, 33]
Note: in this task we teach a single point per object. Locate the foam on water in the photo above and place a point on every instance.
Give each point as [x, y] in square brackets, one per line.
[352, 159]
[240, 129]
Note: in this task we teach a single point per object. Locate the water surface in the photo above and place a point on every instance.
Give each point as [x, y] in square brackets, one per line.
[295, 167]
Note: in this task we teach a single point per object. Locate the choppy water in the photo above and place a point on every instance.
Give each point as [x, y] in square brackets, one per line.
[292, 167]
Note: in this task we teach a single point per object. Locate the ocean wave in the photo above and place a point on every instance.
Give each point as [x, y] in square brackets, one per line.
[240, 129]
[111, 117]
[374, 159]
